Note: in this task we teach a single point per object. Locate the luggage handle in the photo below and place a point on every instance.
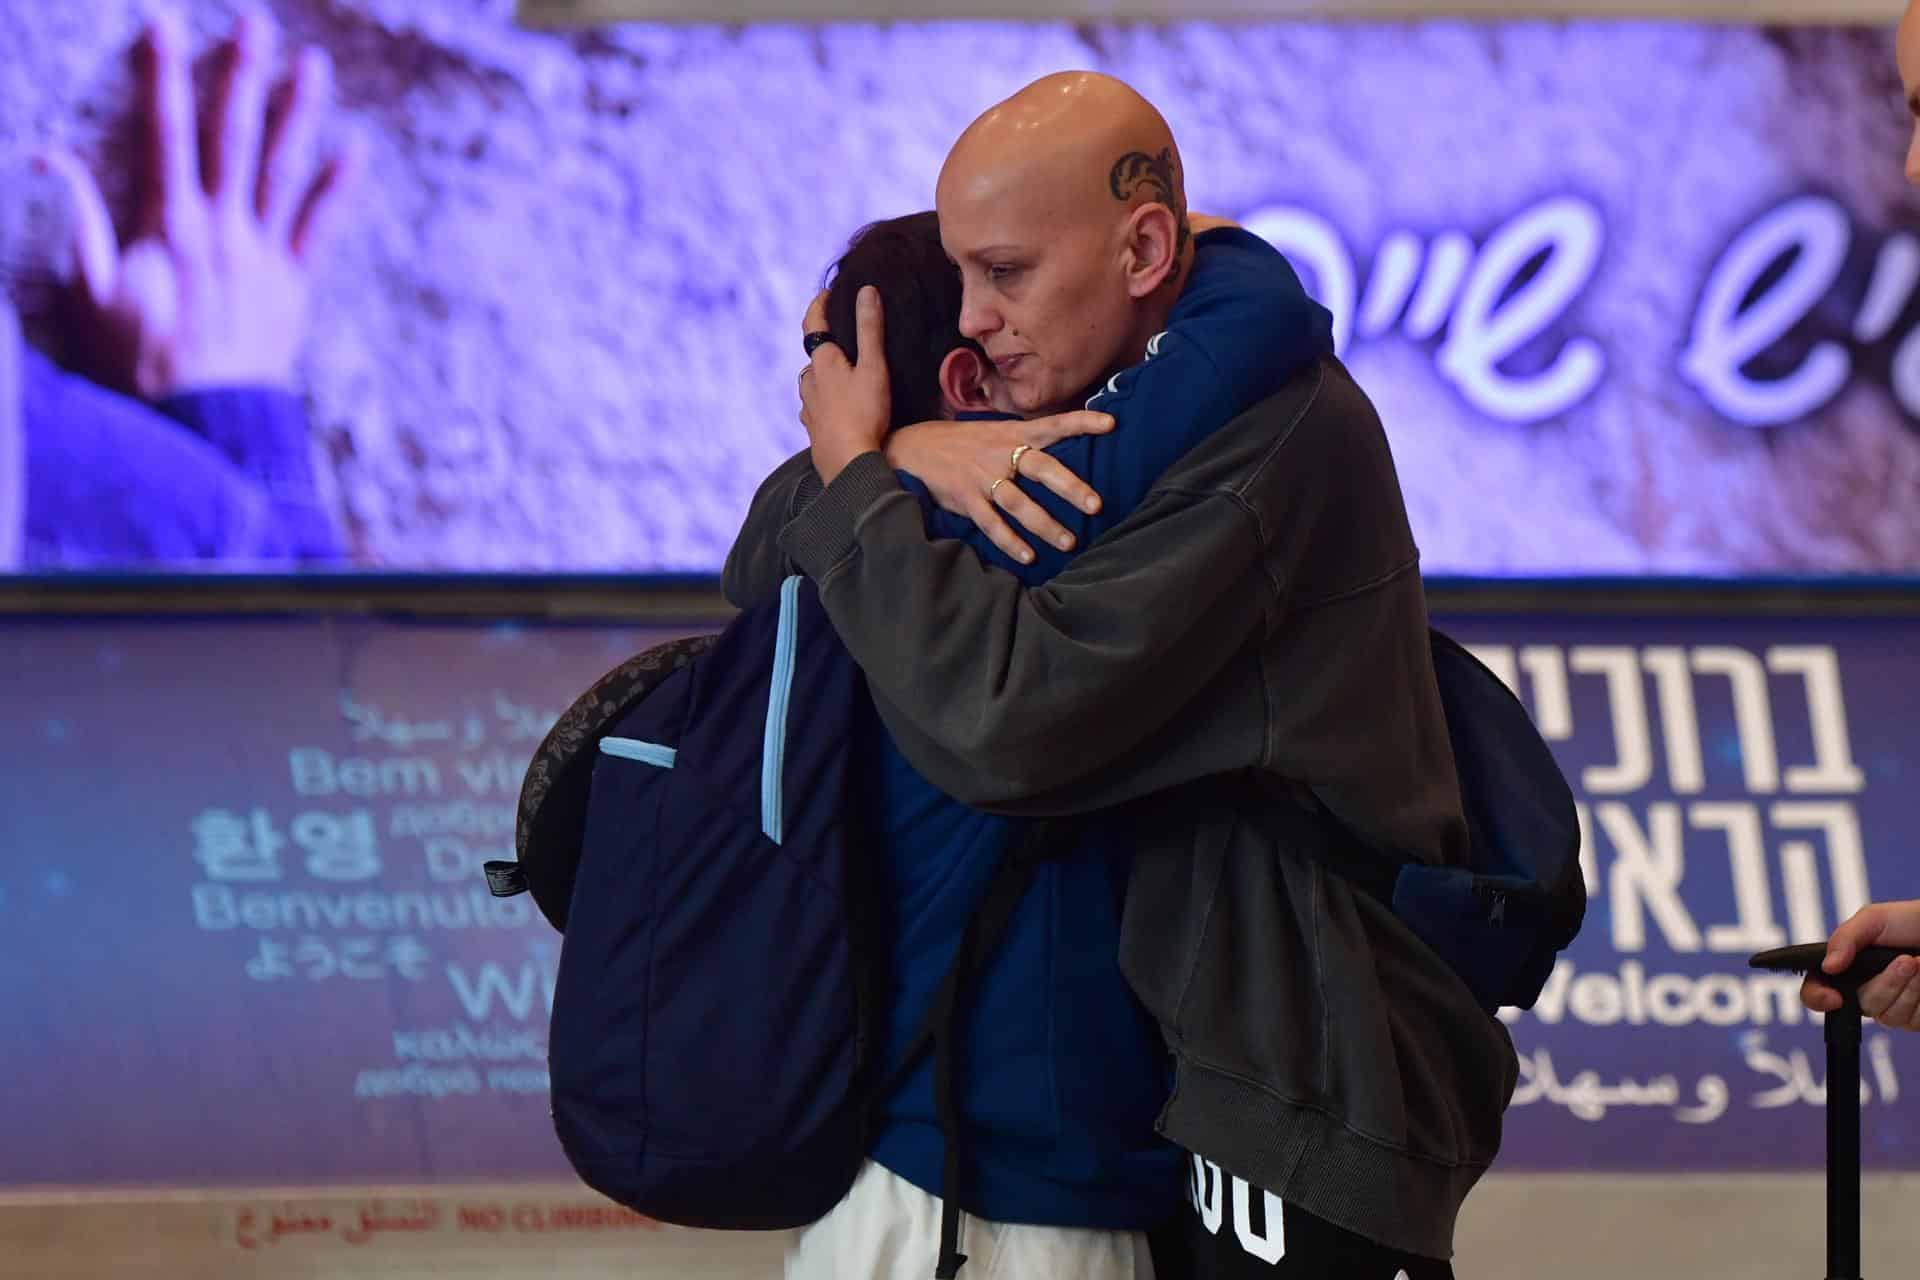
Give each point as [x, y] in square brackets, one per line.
[1843, 1087]
[1806, 958]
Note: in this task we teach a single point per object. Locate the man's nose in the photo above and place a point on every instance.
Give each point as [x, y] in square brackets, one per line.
[977, 320]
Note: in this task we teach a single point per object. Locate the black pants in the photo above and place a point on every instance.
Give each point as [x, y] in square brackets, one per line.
[1231, 1231]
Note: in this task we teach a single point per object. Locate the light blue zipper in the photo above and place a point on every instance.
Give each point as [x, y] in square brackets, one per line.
[773, 752]
[633, 749]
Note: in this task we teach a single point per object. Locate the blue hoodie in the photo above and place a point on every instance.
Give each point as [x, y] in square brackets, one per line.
[1062, 1074]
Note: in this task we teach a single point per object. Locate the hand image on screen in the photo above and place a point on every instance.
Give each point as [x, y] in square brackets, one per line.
[210, 289]
[200, 311]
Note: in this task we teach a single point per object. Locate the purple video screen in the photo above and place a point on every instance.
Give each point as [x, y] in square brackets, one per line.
[1651, 323]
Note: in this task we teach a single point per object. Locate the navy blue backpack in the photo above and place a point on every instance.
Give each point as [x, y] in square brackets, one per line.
[688, 827]
[1502, 920]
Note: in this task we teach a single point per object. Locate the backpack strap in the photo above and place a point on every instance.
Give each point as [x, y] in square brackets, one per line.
[938, 1029]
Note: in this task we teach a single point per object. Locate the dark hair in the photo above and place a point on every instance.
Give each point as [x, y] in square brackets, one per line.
[920, 293]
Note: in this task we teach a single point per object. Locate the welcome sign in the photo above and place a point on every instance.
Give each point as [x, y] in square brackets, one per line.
[1739, 788]
[256, 948]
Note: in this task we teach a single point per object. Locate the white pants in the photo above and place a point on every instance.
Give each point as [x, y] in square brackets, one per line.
[889, 1229]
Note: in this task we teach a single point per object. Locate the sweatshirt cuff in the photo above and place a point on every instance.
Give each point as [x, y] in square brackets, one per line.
[262, 430]
[808, 489]
[822, 535]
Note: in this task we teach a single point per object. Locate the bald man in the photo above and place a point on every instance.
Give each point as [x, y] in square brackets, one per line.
[1246, 657]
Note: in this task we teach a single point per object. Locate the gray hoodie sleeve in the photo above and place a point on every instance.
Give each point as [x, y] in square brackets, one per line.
[1044, 699]
[1261, 609]
[756, 565]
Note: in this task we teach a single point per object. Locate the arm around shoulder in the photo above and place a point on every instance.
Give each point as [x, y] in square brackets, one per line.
[755, 564]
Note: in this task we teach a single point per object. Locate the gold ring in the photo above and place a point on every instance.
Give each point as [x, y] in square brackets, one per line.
[1019, 452]
[993, 490]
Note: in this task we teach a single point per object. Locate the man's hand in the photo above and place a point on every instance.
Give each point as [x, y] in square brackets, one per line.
[967, 466]
[212, 287]
[1893, 998]
[963, 464]
[846, 407]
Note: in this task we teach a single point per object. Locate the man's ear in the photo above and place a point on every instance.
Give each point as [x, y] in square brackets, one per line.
[1153, 246]
[963, 381]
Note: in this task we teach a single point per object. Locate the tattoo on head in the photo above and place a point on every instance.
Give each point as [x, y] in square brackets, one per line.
[1137, 169]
